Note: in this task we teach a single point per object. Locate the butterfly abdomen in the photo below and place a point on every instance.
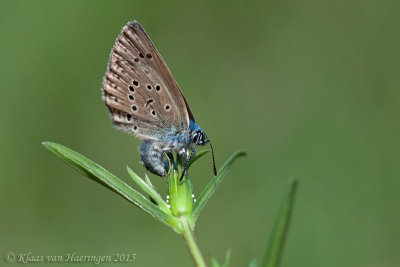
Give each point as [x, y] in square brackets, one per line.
[152, 152]
[151, 157]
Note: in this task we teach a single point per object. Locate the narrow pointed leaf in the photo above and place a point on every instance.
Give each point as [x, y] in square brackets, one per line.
[147, 180]
[253, 263]
[214, 262]
[149, 190]
[212, 185]
[227, 259]
[109, 180]
[280, 230]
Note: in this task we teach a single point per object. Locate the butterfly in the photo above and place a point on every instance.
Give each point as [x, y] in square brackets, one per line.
[144, 99]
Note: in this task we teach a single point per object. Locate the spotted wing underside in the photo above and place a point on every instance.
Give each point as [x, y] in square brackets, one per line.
[139, 90]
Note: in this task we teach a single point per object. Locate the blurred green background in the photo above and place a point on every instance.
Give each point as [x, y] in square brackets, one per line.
[310, 89]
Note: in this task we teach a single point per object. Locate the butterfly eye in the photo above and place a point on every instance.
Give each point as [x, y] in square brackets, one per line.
[195, 138]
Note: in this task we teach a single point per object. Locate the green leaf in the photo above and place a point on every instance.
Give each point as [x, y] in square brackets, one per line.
[148, 189]
[280, 230]
[227, 259]
[214, 262]
[109, 180]
[147, 179]
[212, 185]
[253, 263]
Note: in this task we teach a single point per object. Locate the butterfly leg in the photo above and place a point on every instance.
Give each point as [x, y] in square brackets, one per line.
[169, 163]
[186, 160]
[151, 155]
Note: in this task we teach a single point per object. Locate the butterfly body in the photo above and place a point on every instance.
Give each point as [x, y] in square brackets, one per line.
[144, 99]
[180, 141]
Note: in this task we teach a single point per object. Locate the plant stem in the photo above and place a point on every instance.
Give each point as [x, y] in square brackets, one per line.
[191, 243]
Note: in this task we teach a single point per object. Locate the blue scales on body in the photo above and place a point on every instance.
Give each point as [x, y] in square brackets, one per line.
[181, 141]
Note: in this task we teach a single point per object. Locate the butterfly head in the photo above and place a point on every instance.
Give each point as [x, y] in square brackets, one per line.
[199, 138]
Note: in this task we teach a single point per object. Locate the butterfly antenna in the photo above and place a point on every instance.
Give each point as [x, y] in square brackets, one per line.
[212, 152]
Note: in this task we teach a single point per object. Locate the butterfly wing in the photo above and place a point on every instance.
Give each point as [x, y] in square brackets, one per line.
[139, 90]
